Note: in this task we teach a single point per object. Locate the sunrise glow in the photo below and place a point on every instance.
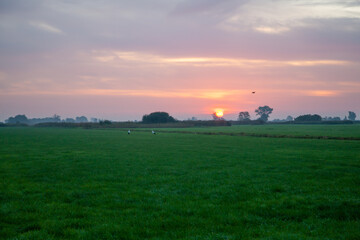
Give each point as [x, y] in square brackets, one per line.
[219, 113]
[184, 57]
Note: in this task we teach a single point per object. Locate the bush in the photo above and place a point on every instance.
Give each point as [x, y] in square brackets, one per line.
[158, 117]
[308, 118]
[104, 122]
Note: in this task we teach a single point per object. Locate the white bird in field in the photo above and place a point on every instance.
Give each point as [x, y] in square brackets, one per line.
[129, 131]
[153, 132]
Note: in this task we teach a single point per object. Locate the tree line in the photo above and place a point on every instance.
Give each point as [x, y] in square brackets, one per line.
[262, 113]
[265, 111]
[22, 119]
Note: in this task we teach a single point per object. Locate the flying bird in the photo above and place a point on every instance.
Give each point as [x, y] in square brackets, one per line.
[253, 92]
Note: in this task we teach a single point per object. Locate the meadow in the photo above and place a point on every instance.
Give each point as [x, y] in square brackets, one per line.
[58, 183]
[291, 130]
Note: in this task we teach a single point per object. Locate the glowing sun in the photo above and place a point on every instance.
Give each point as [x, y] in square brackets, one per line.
[219, 113]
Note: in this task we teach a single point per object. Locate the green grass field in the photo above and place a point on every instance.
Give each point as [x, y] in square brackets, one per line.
[104, 184]
[340, 130]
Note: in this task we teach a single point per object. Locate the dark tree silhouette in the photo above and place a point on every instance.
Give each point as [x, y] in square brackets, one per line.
[18, 119]
[308, 118]
[289, 118]
[158, 117]
[70, 120]
[105, 122]
[352, 116]
[81, 119]
[244, 116]
[264, 112]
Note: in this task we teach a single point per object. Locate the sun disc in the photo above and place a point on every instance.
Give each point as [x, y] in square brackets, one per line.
[219, 113]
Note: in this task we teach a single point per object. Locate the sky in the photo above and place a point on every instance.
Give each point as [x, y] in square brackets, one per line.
[121, 59]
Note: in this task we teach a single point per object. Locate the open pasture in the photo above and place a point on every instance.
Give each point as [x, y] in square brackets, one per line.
[104, 184]
[297, 130]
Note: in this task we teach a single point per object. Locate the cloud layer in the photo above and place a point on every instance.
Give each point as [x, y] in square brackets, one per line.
[296, 54]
